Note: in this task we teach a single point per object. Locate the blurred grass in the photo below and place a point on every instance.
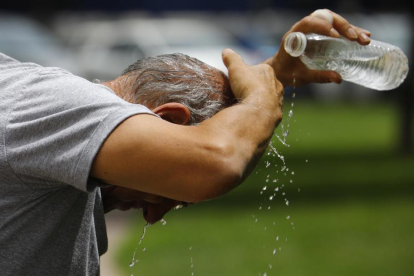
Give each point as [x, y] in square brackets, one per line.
[350, 202]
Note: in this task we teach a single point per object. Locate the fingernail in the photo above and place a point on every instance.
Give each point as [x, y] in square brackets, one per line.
[334, 33]
[364, 37]
[352, 33]
[368, 33]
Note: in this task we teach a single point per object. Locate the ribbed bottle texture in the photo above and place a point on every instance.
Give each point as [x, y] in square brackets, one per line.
[379, 65]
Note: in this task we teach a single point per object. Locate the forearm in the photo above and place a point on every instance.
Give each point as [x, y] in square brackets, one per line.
[196, 163]
[247, 127]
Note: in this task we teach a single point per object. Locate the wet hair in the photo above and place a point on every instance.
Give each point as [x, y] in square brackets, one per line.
[158, 80]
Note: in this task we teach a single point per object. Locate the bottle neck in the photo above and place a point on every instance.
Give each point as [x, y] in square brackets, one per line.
[295, 44]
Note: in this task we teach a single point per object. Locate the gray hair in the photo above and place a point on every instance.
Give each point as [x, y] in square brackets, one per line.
[203, 89]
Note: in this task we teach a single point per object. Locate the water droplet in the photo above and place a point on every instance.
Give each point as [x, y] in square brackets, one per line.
[144, 249]
[267, 164]
[288, 217]
[271, 197]
[293, 173]
[291, 181]
[276, 189]
[277, 238]
[275, 180]
[270, 266]
[265, 228]
[299, 190]
[264, 188]
[274, 251]
[290, 113]
[292, 104]
[163, 222]
[294, 94]
[268, 176]
[260, 208]
[268, 208]
[191, 248]
[307, 161]
[140, 240]
[267, 180]
[256, 220]
[287, 202]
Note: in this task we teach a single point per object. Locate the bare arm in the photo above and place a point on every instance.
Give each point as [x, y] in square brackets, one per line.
[195, 163]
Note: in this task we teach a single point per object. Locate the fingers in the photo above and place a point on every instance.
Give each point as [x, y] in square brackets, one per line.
[155, 212]
[349, 31]
[329, 23]
[324, 77]
[324, 15]
[232, 59]
[313, 24]
[363, 35]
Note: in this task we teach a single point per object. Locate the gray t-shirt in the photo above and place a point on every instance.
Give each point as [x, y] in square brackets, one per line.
[52, 124]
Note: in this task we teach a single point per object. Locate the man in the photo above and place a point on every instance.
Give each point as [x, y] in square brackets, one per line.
[62, 138]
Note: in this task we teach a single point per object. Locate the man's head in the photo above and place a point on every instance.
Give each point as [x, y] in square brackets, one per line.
[180, 89]
[176, 82]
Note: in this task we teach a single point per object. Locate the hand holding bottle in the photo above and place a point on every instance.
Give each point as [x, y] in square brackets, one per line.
[291, 71]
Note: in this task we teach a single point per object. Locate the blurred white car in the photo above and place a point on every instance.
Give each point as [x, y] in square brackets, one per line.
[26, 40]
[106, 47]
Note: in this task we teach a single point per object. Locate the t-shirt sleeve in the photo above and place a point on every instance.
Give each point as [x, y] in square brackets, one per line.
[58, 124]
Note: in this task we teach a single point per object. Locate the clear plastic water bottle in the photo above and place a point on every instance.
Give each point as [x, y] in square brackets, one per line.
[379, 65]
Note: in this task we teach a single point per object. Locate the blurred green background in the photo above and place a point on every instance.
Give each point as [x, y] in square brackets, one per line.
[350, 211]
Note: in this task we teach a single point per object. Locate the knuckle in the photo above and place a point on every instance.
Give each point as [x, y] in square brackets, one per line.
[308, 20]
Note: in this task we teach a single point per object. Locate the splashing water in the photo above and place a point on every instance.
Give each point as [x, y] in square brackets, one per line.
[281, 157]
[286, 174]
[133, 262]
[191, 262]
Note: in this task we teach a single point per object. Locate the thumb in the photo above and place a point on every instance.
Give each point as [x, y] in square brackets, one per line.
[231, 58]
[324, 77]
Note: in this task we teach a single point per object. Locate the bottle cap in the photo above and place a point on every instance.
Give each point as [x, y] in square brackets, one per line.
[295, 44]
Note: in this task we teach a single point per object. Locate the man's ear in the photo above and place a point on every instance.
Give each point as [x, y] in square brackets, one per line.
[175, 113]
